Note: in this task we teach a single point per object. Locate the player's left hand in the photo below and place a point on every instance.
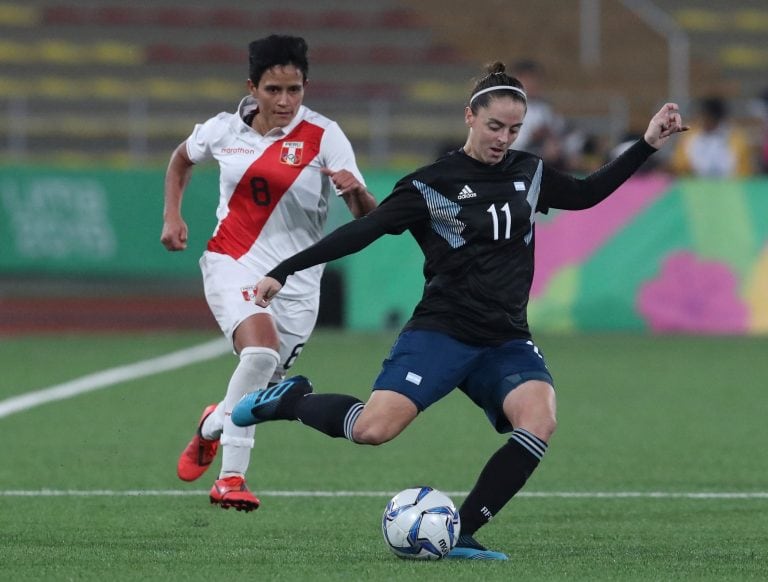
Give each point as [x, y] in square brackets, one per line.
[344, 181]
[266, 290]
[664, 124]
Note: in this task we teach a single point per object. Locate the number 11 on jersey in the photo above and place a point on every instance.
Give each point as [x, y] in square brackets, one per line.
[507, 223]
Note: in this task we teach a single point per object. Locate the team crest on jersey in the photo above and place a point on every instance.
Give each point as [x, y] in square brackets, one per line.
[291, 153]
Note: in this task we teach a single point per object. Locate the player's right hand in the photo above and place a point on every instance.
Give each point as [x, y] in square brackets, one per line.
[266, 290]
[663, 125]
[175, 234]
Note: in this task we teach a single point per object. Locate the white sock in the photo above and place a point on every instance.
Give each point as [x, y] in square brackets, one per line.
[252, 373]
[214, 424]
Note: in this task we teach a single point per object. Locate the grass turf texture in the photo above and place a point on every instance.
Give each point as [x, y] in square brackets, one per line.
[637, 414]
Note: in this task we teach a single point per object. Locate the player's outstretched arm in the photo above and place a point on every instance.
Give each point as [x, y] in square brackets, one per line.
[349, 238]
[266, 290]
[663, 125]
[569, 193]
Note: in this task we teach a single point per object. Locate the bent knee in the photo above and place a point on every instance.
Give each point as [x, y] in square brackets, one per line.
[375, 430]
[547, 428]
[386, 414]
[532, 407]
[543, 427]
[371, 434]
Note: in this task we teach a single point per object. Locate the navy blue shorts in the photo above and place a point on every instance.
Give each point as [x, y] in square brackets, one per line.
[427, 365]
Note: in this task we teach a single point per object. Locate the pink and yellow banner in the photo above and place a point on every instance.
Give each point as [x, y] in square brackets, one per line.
[659, 255]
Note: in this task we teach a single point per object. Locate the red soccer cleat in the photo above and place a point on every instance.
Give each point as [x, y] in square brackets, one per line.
[233, 492]
[199, 453]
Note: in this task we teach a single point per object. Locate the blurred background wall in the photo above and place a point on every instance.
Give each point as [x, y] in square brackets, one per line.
[94, 96]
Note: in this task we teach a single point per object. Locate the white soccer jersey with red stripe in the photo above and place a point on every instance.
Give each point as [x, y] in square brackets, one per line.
[273, 197]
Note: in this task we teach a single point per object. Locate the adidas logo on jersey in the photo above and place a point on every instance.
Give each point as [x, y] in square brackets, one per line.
[466, 192]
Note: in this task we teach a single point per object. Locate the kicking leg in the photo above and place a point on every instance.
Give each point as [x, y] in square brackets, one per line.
[382, 418]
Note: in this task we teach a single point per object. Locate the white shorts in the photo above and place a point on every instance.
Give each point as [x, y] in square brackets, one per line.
[229, 291]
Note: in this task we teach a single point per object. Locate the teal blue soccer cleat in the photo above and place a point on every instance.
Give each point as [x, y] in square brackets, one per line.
[274, 403]
[468, 548]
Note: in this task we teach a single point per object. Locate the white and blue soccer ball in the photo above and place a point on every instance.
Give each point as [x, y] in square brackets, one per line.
[421, 523]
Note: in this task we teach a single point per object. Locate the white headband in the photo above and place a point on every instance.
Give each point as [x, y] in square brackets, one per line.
[499, 88]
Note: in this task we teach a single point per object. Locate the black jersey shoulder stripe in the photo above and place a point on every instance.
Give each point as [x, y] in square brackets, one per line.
[533, 198]
[443, 214]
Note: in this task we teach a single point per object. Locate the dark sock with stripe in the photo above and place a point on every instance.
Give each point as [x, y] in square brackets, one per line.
[503, 476]
[332, 414]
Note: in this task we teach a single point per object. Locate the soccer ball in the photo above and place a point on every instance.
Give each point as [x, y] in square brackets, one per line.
[421, 523]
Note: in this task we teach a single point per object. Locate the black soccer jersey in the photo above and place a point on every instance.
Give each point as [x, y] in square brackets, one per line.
[475, 225]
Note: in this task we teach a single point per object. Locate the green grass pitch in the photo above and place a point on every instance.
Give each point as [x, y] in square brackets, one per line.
[654, 433]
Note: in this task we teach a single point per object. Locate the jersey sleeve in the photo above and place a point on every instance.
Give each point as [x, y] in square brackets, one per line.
[564, 192]
[203, 136]
[400, 210]
[345, 240]
[337, 154]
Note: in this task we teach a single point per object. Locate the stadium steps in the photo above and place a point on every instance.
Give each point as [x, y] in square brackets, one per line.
[732, 35]
[633, 64]
[98, 67]
[112, 63]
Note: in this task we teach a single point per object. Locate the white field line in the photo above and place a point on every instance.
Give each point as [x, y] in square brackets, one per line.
[112, 376]
[214, 349]
[386, 494]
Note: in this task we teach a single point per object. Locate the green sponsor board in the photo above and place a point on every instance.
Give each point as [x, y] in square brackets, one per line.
[83, 222]
[86, 222]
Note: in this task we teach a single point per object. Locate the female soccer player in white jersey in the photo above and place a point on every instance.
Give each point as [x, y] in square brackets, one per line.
[473, 214]
[279, 164]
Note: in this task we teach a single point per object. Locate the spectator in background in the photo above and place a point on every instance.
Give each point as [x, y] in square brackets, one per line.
[546, 133]
[280, 164]
[714, 148]
[543, 129]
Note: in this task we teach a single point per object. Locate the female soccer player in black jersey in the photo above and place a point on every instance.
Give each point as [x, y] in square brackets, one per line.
[472, 212]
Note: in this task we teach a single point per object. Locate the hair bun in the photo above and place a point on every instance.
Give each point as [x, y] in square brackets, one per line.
[496, 68]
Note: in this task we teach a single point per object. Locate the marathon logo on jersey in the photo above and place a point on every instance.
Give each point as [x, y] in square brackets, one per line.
[238, 150]
[249, 293]
[291, 153]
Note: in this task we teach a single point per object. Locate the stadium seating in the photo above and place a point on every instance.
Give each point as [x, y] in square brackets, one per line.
[131, 79]
[735, 35]
[114, 70]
